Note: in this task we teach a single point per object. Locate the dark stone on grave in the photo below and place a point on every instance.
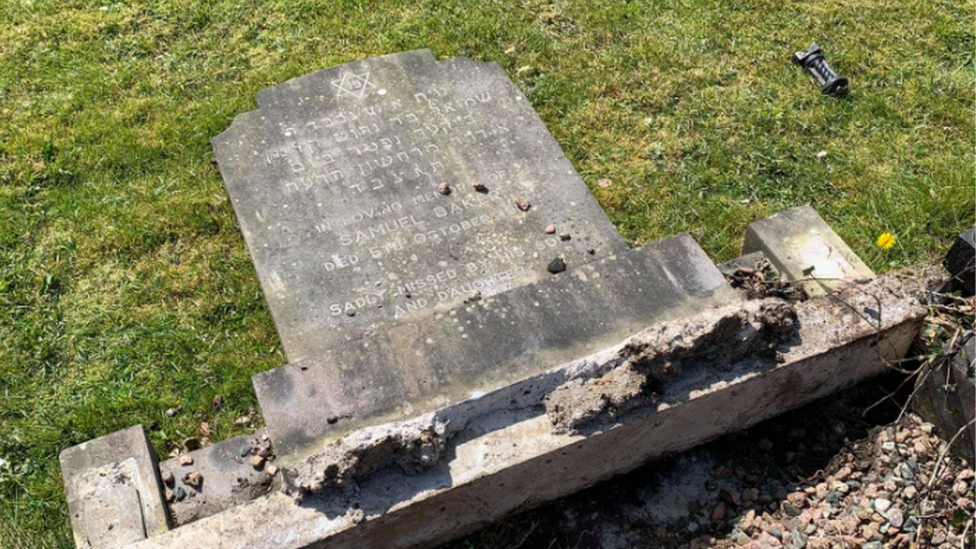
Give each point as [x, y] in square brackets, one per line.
[335, 184]
[960, 261]
[557, 266]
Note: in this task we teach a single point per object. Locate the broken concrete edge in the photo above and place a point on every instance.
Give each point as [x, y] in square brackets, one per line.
[841, 339]
[713, 340]
[113, 489]
[657, 354]
[801, 245]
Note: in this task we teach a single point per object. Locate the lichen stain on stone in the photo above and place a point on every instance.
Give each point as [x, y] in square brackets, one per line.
[713, 339]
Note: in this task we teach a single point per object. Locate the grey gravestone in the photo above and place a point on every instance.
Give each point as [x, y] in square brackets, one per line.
[393, 298]
[335, 184]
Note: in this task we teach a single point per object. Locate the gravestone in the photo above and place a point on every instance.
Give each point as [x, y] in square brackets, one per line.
[410, 221]
[335, 181]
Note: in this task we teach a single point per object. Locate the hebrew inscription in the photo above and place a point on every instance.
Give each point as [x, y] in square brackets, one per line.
[391, 188]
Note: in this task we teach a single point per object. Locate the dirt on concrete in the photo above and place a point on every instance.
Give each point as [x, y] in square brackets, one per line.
[714, 340]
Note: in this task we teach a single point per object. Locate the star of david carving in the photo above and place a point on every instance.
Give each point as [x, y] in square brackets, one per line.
[354, 85]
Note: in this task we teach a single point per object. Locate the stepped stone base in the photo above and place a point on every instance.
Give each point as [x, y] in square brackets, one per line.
[513, 458]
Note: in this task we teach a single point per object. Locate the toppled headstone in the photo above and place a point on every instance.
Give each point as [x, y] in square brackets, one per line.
[383, 190]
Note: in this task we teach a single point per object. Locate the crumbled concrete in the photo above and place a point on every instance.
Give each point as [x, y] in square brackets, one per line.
[580, 401]
[712, 339]
[413, 446]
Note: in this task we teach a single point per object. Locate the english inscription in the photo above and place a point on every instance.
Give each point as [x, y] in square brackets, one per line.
[335, 181]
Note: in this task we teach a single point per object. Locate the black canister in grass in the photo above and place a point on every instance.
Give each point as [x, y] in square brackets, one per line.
[814, 62]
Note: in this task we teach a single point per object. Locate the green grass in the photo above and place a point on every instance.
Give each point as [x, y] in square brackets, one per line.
[125, 287]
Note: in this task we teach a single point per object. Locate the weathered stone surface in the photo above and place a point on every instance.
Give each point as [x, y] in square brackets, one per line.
[113, 490]
[513, 458]
[474, 349]
[228, 478]
[335, 184]
[800, 244]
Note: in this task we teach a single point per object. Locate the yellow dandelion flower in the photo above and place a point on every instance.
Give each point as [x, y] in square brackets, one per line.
[886, 241]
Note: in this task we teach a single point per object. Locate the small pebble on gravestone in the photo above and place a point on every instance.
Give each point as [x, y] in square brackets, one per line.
[564, 236]
[557, 266]
[257, 462]
[179, 493]
[522, 203]
[168, 478]
[194, 480]
[550, 229]
[444, 189]
[186, 460]
[271, 470]
[480, 187]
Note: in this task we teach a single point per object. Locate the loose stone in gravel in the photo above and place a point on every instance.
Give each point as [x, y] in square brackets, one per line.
[895, 517]
[718, 514]
[881, 505]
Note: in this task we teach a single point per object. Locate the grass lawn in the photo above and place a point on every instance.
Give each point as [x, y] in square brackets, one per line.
[125, 287]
